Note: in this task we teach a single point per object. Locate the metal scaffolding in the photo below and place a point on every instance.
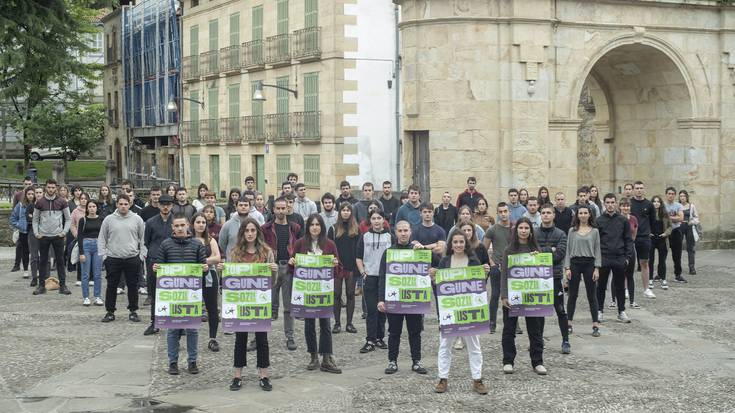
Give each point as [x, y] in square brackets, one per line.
[151, 62]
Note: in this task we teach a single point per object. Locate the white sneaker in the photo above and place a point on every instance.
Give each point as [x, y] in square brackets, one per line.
[120, 291]
[86, 302]
[78, 283]
[648, 293]
[458, 343]
[25, 274]
[508, 369]
[91, 283]
[664, 285]
[98, 301]
[540, 370]
[600, 316]
[623, 318]
[650, 284]
[627, 296]
[142, 291]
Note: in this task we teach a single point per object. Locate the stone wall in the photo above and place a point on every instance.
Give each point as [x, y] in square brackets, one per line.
[6, 233]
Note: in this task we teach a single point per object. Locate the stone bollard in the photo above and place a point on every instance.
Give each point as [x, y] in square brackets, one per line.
[110, 171]
[58, 172]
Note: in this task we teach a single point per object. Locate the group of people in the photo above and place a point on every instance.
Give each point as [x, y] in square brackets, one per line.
[589, 240]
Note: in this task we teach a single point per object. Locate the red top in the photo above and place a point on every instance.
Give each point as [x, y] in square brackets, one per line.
[633, 221]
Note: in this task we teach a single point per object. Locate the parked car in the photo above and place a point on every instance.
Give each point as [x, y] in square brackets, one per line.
[39, 154]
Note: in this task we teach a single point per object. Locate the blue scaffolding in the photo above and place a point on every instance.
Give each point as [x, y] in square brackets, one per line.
[151, 62]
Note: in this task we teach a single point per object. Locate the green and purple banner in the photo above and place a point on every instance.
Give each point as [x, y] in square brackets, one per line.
[531, 285]
[312, 293]
[462, 299]
[178, 296]
[246, 297]
[407, 281]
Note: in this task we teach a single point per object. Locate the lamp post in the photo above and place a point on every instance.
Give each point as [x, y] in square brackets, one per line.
[173, 107]
[258, 94]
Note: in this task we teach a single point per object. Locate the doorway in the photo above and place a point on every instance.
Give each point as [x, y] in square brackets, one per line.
[259, 168]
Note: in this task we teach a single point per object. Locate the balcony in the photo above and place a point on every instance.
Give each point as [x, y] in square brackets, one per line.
[278, 50]
[278, 127]
[190, 132]
[252, 55]
[230, 59]
[210, 64]
[230, 131]
[307, 44]
[191, 68]
[306, 126]
[254, 128]
[209, 131]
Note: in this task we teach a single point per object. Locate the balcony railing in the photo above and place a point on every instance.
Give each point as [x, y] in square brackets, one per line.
[190, 132]
[191, 67]
[278, 127]
[254, 128]
[307, 44]
[230, 59]
[210, 131]
[278, 50]
[210, 63]
[306, 126]
[252, 55]
[230, 131]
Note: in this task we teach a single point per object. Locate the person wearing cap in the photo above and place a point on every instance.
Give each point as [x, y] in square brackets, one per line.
[157, 229]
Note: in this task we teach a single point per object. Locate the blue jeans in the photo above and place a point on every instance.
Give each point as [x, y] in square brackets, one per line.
[92, 262]
[172, 339]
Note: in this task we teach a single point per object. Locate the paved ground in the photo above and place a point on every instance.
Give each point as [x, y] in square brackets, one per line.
[677, 355]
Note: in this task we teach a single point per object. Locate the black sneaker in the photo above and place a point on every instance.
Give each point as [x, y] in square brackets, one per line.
[290, 344]
[566, 348]
[134, 317]
[63, 290]
[173, 369]
[265, 384]
[350, 329]
[336, 329]
[108, 317]
[680, 279]
[692, 271]
[193, 369]
[595, 332]
[15, 269]
[39, 290]
[368, 347]
[213, 345]
[493, 327]
[392, 367]
[34, 282]
[418, 368]
[150, 330]
[236, 384]
[379, 343]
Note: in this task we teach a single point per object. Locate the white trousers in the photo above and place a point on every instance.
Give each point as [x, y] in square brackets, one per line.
[445, 356]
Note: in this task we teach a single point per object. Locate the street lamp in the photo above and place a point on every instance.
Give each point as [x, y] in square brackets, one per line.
[258, 94]
[173, 107]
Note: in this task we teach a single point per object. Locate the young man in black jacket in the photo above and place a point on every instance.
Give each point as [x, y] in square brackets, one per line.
[445, 215]
[157, 229]
[181, 248]
[553, 240]
[616, 245]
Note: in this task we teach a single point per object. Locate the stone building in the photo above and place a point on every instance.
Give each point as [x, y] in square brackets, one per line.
[492, 89]
[339, 119]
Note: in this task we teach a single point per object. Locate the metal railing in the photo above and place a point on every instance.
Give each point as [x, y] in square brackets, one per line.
[230, 131]
[278, 49]
[210, 63]
[210, 131]
[278, 127]
[254, 128]
[252, 54]
[307, 43]
[230, 59]
[190, 132]
[191, 67]
[306, 126]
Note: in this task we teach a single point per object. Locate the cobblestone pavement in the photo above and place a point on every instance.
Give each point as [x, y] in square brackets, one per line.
[678, 354]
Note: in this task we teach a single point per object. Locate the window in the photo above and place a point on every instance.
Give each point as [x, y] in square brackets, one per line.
[194, 41]
[256, 107]
[233, 98]
[282, 107]
[214, 34]
[282, 16]
[311, 105]
[213, 103]
[283, 167]
[311, 170]
[214, 174]
[194, 177]
[194, 3]
[235, 29]
[194, 118]
[235, 171]
[311, 13]
[257, 23]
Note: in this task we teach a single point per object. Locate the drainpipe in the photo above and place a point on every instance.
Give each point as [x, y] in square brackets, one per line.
[397, 75]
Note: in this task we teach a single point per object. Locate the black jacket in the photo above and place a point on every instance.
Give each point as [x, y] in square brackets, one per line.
[383, 263]
[616, 242]
[445, 218]
[563, 219]
[157, 231]
[346, 247]
[181, 250]
[339, 200]
[446, 262]
[553, 237]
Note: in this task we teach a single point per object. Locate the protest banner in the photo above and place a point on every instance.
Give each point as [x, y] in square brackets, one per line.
[462, 299]
[246, 297]
[178, 296]
[312, 294]
[407, 281]
[531, 285]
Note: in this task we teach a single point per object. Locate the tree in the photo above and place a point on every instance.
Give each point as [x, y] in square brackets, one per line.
[76, 128]
[40, 45]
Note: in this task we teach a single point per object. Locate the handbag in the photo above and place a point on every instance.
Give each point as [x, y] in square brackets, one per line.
[74, 257]
[16, 236]
[52, 283]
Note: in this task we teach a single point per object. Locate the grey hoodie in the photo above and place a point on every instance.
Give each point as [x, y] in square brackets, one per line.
[228, 233]
[122, 236]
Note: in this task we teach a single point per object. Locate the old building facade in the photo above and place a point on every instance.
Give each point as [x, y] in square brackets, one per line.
[492, 89]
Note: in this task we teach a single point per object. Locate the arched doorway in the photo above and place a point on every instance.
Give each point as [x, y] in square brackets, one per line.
[631, 105]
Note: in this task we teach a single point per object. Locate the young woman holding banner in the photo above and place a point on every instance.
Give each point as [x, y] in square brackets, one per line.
[315, 242]
[523, 240]
[210, 288]
[251, 248]
[460, 254]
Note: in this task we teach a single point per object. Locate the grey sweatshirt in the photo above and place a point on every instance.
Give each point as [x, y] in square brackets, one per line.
[583, 246]
[122, 236]
[51, 217]
[228, 234]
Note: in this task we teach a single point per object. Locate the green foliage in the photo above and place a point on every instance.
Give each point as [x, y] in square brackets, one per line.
[75, 171]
